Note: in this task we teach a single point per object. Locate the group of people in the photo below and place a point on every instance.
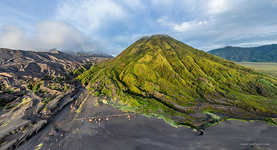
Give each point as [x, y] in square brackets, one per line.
[99, 119]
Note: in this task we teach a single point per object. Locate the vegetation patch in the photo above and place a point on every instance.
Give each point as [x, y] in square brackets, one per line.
[78, 71]
[39, 146]
[271, 121]
[212, 115]
[8, 91]
[80, 108]
[2, 86]
[35, 86]
[46, 101]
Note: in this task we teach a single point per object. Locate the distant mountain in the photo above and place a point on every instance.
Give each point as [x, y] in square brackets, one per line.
[82, 53]
[18, 61]
[164, 77]
[53, 50]
[266, 53]
[93, 54]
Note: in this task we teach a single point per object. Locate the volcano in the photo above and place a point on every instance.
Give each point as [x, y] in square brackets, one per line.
[161, 76]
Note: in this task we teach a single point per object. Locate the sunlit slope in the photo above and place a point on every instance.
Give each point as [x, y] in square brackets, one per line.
[172, 79]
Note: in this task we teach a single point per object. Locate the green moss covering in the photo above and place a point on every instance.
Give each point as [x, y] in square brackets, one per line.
[165, 77]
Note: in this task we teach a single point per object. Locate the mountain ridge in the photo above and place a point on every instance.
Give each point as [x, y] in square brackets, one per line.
[265, 53]
[34, 87]
[19, 67]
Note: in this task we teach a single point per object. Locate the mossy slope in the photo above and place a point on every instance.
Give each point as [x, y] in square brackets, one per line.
[162, 76]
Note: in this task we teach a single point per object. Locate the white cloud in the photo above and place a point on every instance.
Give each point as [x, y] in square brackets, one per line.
[90, 14]
[218, 6]
[47, 34]
[11, 36]
[256, 43]
[223, 6]
[184, 26]
[210, 47]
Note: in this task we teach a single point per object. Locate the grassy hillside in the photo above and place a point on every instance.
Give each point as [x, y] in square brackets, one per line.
[267, 53]
[164, 77]
[264, 67]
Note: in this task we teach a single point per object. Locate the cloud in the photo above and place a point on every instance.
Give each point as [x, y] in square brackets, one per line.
[47, 34]
[184, 26]
[216, 23]
[255, 43]
[98, 24]
[165, 23]
[91, 14]
[218, 6]
[11, 36]
[225, 6]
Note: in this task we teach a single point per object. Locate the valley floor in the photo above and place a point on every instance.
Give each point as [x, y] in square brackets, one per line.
[264, 67]
[71, 131]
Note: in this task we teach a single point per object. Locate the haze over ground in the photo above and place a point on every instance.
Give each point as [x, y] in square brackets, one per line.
[111, 26]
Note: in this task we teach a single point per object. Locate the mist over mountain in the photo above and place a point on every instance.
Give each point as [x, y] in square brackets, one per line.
[266, 53]
[93, 54]
[83, 54]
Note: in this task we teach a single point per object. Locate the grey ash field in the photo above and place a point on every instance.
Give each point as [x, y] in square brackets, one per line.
[73, 131]
[43, 106]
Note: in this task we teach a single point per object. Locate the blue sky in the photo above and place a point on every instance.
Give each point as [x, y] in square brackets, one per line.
[112, 25]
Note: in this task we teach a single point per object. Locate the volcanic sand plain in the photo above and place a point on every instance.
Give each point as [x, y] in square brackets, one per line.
[70, 130]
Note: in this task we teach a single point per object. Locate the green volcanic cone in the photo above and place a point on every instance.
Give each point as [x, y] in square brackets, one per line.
[162, 76]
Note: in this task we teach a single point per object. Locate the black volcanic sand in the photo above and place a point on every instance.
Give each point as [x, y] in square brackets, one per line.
[73, 131]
